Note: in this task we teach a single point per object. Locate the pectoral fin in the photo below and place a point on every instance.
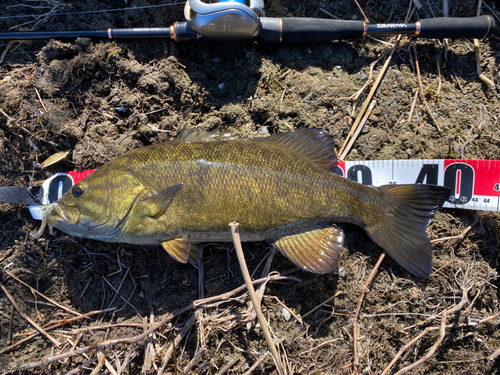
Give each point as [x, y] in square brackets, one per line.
[183, 250]
[155, 204]
[315, 251]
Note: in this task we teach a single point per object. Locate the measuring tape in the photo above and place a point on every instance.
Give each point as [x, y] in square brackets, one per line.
[475, 184]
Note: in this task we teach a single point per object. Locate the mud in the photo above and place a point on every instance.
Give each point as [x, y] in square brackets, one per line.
[102, 98]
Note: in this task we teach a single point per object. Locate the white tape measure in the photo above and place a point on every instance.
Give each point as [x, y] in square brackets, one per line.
[475, 184]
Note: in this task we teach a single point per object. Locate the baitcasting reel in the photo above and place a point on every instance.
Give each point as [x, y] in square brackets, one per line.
[224, 20]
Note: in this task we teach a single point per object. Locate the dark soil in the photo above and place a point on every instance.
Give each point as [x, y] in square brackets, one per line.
[102, 98]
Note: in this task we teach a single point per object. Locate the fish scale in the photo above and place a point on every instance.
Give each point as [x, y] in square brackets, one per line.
[279, 188]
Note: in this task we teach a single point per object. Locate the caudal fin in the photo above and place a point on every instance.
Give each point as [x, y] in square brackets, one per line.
[403, 231]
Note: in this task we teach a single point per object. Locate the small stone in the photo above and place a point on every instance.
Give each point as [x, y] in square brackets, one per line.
[341, 273]
[286, 314]
[263, 130]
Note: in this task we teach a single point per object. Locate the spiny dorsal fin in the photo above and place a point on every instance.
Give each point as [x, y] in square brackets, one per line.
[315, 144]
[202, 134]
[315, 251]
[183, 250]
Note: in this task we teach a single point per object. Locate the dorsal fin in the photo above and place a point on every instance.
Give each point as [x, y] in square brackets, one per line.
[202, 134]
[315, 144]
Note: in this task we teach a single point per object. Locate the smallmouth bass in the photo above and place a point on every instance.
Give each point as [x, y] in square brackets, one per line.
[279, 188]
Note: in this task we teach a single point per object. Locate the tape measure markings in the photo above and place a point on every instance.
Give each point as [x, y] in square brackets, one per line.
[475, 184]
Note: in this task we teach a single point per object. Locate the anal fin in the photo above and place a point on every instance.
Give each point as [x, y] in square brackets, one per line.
[183, 250]
[317, 250]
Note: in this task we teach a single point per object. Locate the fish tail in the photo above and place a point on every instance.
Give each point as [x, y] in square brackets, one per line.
[401, 230]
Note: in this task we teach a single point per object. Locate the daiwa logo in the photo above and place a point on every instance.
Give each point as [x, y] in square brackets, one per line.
[393, 25]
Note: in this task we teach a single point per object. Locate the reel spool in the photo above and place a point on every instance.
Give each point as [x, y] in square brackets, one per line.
[224, 20]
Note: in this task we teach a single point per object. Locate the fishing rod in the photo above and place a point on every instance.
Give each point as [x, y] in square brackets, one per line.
[233, 20]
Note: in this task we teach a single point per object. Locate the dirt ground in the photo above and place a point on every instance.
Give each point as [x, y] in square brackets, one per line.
[102, 98]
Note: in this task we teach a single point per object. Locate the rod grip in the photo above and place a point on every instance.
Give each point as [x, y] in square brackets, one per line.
[448, 27]
[308, 30]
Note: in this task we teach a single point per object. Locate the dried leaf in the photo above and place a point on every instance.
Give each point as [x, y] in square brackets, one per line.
[55, 158]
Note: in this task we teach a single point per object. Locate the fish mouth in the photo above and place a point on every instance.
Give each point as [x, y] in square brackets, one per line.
[69, 214]
[54, 214]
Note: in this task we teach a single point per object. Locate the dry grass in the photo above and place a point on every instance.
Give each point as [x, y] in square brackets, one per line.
[115, 308]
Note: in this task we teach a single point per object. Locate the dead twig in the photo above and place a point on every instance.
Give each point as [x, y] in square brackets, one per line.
[350, 139]
[262, 287]
[194, 360]
[440, 83]
[432, 350]
[417, 4]
[359, 128]
[446, 13]
[420, 86]
[228, 366]
[356, 363]
[81, 367]
[53, 5]
[11, 322]
[149, 349]
[412, 108]
[142, 336]
[28, 319]
[101, 361]
[460, 236]
[481, 76]
[256, 364]
[48, 327]
[369, 80]
[42, 295]
[362, 12]
[177, 341]
[494, 355]
[253, 297]
[321, 304]
[9, 119]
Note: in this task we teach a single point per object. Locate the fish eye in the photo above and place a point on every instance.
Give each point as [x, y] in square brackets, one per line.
[76, 191]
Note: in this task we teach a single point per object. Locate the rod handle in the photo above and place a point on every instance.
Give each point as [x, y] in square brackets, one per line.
[449, 27]
[307, 30]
